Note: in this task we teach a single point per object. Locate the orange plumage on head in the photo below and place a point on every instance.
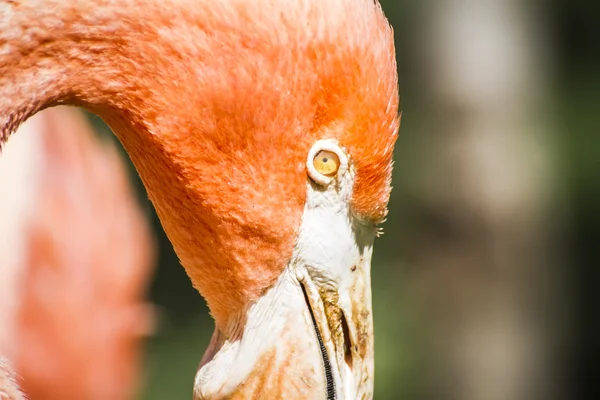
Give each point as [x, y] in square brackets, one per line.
[240, 136]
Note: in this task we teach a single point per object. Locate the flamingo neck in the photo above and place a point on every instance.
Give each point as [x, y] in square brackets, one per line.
[154, 71]
[111, 58]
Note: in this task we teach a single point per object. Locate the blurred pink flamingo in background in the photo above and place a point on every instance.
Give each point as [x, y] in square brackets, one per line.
[75, 250]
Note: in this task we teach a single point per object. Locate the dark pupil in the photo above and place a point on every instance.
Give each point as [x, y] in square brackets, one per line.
[325, 159]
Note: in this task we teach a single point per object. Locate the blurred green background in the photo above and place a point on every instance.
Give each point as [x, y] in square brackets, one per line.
[485, 281]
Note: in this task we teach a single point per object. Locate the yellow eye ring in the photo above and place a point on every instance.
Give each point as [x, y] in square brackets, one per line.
[326, 163]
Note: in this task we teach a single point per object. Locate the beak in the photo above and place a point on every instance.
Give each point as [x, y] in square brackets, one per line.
[310, 336]
[343, 325]
[337, 288]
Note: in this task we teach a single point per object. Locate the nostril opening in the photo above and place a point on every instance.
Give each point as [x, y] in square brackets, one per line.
[347, 342]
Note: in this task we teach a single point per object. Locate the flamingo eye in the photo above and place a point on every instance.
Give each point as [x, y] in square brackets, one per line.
[326, 163]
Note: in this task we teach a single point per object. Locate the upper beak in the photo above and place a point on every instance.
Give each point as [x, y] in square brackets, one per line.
[337, 289]
[342, 316]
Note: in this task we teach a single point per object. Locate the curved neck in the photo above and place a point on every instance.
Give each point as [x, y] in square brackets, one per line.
[176, 80]
[122, 61]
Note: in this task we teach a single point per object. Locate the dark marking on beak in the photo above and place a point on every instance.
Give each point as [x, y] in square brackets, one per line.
[326, 363]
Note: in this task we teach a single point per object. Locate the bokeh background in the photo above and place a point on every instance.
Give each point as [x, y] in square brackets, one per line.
[485, 283]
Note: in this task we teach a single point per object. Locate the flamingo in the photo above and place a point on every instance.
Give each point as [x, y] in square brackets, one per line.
[263, 132]
[80, 257]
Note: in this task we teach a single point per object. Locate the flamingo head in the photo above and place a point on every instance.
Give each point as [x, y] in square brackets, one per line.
[276, 128]
[263, 132]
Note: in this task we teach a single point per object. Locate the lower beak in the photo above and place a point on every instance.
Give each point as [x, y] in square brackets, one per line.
[341, 311]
